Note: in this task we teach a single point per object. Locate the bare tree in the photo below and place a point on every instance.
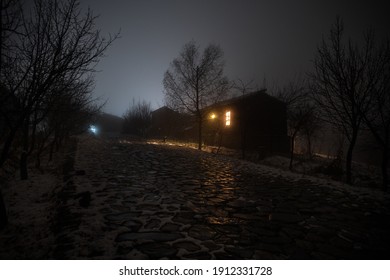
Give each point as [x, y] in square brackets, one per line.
[299, 119]
[46, 53]
[10, 20]
[377, 118]
[137, 118]
[67, 112]
[194, 81]
[301, 112]
[59, 47]
[10, 23]
[311, 127]
[343, 79]
[243, 87]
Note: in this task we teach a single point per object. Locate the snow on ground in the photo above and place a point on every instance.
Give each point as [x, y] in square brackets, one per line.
[30, 204]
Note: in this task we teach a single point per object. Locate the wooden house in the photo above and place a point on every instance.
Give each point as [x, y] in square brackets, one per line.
[255, 121]
[167, 123]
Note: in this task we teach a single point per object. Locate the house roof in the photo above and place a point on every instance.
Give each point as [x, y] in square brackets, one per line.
[243, 97]
[227, 102]
[162, 109]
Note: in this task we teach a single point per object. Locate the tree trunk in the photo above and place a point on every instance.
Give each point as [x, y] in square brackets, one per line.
[3, 213]
[38, 160]
[40, 148]
[309, 152]
[348, 163]
[292, 151]
[243, 140]
[1, 35]
[385, 163]
[7, 147]
[52, 144]
[24, 155]
[198, 110]
[8, 143]
[33, 138]
[219, 140]
[200, 133]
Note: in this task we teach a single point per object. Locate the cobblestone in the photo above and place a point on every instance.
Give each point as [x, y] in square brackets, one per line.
[152, 201]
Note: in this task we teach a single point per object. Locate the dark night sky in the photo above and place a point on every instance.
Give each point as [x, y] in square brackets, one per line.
[261, 39]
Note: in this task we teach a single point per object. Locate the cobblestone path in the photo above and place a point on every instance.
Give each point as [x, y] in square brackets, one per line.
[158, 201]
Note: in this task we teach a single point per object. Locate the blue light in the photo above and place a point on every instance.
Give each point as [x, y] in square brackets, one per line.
[93, 129]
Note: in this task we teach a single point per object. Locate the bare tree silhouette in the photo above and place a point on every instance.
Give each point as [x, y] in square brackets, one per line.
[377, 118]
[11, 17]
[10, 22]
[137, 118]
[194, 81]
[301, 112]
[56, 48]
[48, 56]
[344, 77]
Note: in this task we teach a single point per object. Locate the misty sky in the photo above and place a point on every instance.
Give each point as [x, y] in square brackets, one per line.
[275, 40]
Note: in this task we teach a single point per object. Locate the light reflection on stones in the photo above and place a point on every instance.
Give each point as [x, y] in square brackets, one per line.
[222, 220]
[207, 202]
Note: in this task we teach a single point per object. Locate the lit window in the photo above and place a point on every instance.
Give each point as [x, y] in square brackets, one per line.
[227, 119]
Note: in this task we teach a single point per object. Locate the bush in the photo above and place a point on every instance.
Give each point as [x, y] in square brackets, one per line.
[137, 119]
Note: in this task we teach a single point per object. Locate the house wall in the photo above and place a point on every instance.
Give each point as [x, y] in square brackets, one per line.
[170, 124]
[258, 122]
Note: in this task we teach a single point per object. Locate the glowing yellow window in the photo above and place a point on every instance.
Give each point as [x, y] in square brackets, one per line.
[227, 118]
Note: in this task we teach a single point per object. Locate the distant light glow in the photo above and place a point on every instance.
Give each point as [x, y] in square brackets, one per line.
[227, 118]
[213, 116]
[93, 129]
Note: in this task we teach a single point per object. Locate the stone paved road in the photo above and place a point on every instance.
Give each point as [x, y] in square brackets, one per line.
[158, 201]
